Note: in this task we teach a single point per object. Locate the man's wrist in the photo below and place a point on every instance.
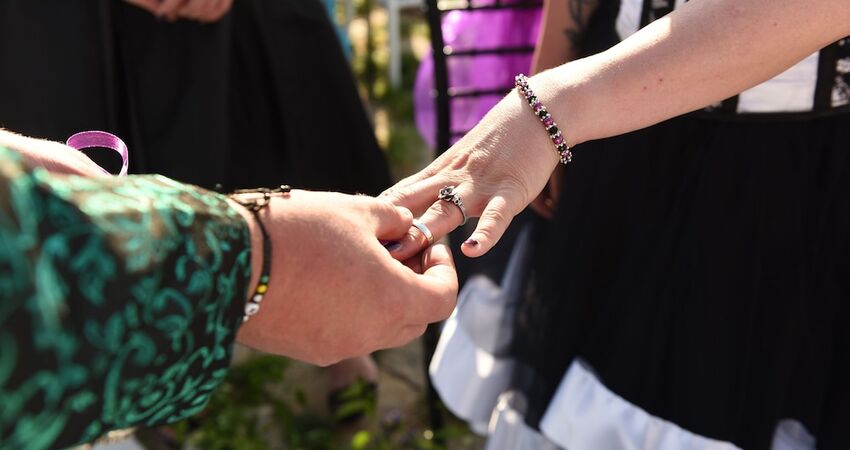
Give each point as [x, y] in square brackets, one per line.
[256, 245]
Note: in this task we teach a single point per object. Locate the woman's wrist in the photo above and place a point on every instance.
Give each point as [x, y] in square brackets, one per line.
[562, 90]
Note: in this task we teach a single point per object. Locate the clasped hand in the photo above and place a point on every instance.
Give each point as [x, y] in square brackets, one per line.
[198, 10]
[335, 291]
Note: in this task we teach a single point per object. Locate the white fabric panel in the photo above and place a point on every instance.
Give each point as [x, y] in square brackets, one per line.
[628, 19]
[792, 435]
[508, 430]
[585, 415]
[790, 91]
[468, 379]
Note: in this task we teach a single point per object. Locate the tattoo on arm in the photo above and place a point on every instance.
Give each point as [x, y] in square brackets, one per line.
[579, 13]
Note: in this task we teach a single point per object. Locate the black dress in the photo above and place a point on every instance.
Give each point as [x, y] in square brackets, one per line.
[693, 290]
[261, 97]
[701, 267]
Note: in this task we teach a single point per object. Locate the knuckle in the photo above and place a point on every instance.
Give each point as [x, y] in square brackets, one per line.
[493, 216]
[413, 333]
[393, 312]
[460, 161]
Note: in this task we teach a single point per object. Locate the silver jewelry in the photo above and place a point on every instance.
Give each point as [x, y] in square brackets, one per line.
[424, 230]
[449, 194]
[558, 139]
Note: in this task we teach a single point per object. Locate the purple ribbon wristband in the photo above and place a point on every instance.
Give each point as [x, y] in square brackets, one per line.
[90, 139]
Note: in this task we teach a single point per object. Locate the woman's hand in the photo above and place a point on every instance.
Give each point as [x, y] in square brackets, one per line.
[335, 291]
[498, 169]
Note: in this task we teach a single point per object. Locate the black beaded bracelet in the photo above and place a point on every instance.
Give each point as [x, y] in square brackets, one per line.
[255, 205]
[555, 135]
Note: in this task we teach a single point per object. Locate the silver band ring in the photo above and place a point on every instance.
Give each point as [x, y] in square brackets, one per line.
[424, 230]
[451, 195]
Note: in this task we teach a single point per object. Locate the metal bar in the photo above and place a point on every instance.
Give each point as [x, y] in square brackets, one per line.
[441, 86]
[394, 13]
[500, 7]
[465, 93]
[450, 52]
[441, 77]
[446, 6]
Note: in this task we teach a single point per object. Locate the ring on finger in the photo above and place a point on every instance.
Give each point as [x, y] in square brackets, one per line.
[424, 230]
[451, 195]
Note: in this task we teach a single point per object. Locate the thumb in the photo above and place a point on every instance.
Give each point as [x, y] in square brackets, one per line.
[439, 284]
[390, 221]
[495, 219]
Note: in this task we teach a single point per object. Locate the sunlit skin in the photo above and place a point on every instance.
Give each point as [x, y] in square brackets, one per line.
[700, 54]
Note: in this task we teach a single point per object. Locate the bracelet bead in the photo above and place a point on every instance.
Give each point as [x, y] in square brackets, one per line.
[549, 124]
[260, 198]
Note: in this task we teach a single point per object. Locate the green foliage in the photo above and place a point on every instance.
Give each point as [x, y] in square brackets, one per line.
[256, 409]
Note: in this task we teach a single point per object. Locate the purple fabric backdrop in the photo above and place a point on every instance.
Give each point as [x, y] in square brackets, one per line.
[479, 30]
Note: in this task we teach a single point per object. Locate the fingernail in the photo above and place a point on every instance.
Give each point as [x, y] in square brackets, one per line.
[392, 246]
[471, 242]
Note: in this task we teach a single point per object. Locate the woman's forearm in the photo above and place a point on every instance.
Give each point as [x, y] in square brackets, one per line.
[562, 27]
[702, 53]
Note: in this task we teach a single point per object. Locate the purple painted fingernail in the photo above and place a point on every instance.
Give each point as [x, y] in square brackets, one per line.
[471, 242]
[392, 246]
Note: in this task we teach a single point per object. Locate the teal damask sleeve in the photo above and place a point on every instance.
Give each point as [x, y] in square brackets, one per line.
[119, 302]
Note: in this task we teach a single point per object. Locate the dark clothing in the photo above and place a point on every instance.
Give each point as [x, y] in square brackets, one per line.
[119, 302]
[262, 97]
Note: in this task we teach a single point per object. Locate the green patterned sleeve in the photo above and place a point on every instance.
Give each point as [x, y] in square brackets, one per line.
[119, 302]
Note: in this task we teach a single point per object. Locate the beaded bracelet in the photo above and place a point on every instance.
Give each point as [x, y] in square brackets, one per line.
[252, 306]
[558, 139]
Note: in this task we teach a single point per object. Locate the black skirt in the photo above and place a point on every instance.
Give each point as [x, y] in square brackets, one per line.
[262, 97]
[702, 268]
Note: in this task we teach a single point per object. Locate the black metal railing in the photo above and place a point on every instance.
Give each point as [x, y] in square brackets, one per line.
[444, 94]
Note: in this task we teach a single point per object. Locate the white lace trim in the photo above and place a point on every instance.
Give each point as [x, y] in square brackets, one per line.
[583, 415]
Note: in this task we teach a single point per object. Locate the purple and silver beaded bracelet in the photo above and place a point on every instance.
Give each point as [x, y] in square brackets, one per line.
[548, 122]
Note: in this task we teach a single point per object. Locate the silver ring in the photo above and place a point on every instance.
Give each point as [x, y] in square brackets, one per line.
[451, 195]
[425, 231]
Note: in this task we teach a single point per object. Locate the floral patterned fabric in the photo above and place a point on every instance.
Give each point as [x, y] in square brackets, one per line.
[119, 302]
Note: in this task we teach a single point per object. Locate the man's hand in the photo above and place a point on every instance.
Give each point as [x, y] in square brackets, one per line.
[53, 156]
[335, 291]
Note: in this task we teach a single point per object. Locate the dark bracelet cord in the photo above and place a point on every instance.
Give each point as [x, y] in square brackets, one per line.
[255, 200]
